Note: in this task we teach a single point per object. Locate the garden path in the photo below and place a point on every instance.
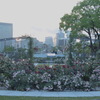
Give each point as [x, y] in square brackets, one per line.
[37, 93]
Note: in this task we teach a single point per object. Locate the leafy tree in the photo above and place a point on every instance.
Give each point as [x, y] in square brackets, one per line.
[20, 54]
[87, 13]
[85, 17]
[8, 49]
[70, 51]
[30, 49]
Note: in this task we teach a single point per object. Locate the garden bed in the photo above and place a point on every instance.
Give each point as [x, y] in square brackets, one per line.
[23, 76]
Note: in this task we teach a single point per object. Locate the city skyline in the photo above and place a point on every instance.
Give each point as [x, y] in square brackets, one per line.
[38, 18]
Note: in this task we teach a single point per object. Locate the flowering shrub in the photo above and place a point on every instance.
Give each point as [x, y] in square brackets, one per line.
[95, 77]
[5, 71]
[25, 76]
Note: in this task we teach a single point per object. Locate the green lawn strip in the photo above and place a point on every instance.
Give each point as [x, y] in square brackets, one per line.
[47, 98]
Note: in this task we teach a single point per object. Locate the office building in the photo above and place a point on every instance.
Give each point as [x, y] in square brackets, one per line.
[49, 41]
[60, 39]
[6, 31]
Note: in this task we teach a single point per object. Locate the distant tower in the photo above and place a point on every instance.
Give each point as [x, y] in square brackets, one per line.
[6, 31]
[49, 41]
[60, 39]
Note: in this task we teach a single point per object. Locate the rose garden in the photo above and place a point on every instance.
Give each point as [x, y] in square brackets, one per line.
[21, 75]
[78, 71]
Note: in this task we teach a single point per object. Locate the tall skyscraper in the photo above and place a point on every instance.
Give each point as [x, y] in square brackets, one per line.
[60, 35]
[6, 31]
[60, 39]
[49, 41]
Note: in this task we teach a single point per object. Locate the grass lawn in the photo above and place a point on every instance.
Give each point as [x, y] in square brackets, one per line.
[47, 98]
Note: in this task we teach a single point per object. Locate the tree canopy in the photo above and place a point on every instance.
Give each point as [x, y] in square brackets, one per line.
[85, 17]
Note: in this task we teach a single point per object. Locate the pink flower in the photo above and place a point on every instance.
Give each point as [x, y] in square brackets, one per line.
[37, 72]
[64, 66]
[46, 67]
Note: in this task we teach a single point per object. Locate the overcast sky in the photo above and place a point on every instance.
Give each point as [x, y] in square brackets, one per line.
[38, 18]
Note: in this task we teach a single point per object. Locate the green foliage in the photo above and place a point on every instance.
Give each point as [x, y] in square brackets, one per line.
[20, 53]
[21, 76]
[47, 98]
[98, 54]
[30, 49]
[8, 49]
[84, 17]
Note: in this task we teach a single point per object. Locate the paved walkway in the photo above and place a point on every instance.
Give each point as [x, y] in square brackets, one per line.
[37, 93]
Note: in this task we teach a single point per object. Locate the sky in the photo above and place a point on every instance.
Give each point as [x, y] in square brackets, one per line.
[38, 18]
